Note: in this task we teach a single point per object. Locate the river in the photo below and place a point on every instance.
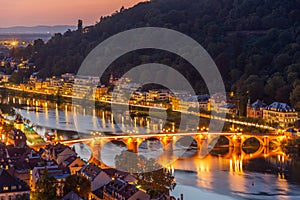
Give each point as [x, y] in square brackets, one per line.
[215, 176]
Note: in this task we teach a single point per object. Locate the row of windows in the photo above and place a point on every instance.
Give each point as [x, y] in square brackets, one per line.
[24, 196]
[6, 188]
[275, 114]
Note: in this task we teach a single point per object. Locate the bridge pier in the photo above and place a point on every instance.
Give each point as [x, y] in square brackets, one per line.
[168, 144]
[199, 139]
[132, 145]
[266, 141]
[266, 150]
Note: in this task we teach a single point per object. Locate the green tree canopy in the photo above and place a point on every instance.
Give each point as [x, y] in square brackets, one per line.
[79, 184]
[45, 188]
[149, 174]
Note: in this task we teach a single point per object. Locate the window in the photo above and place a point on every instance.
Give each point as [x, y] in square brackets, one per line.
[5, 188]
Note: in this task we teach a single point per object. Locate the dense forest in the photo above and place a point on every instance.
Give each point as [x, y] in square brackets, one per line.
[255, 43]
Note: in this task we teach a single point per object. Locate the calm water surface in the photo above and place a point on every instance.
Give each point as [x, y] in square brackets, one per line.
[215, 176]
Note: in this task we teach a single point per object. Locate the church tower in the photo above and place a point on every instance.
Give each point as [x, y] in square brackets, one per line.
[248, 108]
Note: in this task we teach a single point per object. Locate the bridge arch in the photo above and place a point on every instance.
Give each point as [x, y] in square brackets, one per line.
[143, 141]
[186, 141]
[258, 153]
[245, 139]
[252, 150]
[221, 147]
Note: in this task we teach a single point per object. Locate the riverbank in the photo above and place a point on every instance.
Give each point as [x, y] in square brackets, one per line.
[59, 99]
[246, 125]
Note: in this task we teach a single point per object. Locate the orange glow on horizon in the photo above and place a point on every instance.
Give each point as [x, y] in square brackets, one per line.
[57, 12]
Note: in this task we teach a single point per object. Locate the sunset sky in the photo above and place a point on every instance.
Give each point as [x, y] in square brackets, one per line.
[57, 12]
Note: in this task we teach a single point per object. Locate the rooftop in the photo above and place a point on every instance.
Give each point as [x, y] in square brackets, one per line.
[280, 107]
[9, 183]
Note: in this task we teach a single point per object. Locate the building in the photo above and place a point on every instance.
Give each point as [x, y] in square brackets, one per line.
[74, 163]
[218, 103]
[138, 96]
[19, 161]
[64, 155]
[90, 171]
[203, 102]
[96, 175]
[255, 110]
[18, 123]
[100, 91]
[60, 173]
[84, 86]
[17, 138]
[280, 113]
[5, 78]
[51, 152]
[120, 189]
[157, 95]
[12, 188]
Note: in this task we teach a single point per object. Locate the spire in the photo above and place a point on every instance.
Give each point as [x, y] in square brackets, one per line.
[248, 102]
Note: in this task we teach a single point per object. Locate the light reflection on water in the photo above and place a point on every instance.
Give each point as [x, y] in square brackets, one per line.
[211, 177]
[214, 177]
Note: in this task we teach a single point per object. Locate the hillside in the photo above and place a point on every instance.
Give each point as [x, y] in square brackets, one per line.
[255, 44]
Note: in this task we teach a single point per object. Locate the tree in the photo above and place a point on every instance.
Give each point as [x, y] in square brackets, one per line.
[295, 97]
[254, 84]
[273, 84]
[46, 188]
[78, 184]
[243, 37]
[79, 26]
[149, 174]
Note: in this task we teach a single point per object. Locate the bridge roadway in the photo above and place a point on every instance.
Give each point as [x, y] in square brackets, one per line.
[168, 140]
[145, 136]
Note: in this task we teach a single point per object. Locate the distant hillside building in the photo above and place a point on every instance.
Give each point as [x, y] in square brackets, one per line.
[281, 113]
[255, 110]
[219, 104]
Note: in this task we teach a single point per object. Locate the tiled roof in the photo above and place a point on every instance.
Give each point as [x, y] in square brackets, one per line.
[91, 170]
[257, 105]
[58, 148]
[69, 160]
[21, 158]
[281, 107]
[98, 192]
[8, 183]
[72, 196]
[112, 172]
[58, 172]
[120, 189]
